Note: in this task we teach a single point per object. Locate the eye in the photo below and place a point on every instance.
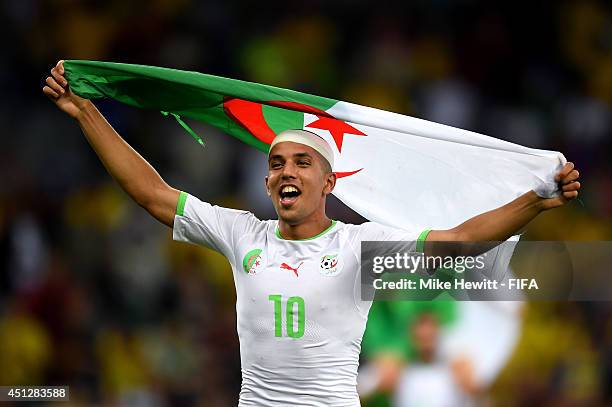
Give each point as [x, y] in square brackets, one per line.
[276, 165]
[303, 163]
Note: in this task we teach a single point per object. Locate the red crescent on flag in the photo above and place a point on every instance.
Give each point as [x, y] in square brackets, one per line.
[250, 116]
[342, 174]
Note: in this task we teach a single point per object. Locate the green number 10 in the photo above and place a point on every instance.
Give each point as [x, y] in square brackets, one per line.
[290, 314]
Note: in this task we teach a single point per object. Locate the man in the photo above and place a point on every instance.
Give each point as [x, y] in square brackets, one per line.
[432, 378]
[300, 313]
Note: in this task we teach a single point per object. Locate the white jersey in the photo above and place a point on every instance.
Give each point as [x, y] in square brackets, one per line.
[300, 315]
[429, 385]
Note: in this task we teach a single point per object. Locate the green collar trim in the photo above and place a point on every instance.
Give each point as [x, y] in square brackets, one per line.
[308, 238]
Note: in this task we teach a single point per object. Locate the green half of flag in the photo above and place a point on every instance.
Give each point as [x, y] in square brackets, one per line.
[251, 112]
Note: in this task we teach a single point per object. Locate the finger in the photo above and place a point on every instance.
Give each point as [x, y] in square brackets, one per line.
[564, 171]
[570, 194]
[571, 177]
[59, 78]
[572, 186]
[60, 67]
[50, 92]
[54, 85]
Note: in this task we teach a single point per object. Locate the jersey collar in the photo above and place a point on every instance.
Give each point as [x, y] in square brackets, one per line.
[309, 238]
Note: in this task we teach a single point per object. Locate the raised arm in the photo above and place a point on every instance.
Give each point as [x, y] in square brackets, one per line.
[133, 173]
[506, 221]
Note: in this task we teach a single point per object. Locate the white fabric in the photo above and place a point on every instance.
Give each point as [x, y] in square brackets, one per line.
[413, 168]
[308, 139]
[319, 368]
[429, 385]
[485, 332]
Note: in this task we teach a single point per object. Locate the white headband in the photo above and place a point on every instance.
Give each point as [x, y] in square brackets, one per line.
[308, 139]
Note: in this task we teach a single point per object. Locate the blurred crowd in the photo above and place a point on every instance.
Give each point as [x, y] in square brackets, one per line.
[94, 294]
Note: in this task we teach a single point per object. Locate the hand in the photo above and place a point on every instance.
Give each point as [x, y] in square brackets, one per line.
[567, 180]
[463, 371]
[58, 91]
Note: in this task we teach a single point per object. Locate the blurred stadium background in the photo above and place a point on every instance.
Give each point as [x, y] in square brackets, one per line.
[94, 294]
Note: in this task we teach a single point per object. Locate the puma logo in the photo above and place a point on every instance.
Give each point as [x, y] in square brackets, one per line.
[285, 266]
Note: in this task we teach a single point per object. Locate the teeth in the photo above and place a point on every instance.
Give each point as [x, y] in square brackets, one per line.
[288, 189]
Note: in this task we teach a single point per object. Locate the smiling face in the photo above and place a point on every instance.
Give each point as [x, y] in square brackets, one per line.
[298, 181]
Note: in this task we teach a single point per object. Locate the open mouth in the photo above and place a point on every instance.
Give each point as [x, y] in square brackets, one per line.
[288, 195]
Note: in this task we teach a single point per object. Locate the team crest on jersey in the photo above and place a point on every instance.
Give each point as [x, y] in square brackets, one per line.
[252, 263]
[330, 265]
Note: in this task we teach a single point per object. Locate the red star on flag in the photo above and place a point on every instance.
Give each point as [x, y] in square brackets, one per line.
[337, 128]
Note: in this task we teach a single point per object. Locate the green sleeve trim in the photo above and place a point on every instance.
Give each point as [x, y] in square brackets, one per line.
[333, 223]
[420, 244]
[180, 205]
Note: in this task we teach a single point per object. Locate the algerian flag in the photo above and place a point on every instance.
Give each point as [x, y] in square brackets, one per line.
[392, 169]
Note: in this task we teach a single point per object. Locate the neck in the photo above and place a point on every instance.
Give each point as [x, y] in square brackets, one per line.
[304, 230]
[427, 355]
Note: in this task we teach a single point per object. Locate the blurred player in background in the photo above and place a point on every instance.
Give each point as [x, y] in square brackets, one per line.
[433, 379]
[456, 348]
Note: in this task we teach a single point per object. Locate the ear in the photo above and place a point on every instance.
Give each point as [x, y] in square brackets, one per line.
[267, 187]
[330, 183]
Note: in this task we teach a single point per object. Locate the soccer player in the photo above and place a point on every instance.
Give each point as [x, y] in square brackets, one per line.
[300, 314]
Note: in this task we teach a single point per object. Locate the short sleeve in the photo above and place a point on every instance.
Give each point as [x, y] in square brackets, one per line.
[376, 232]
[404, 240]
[372, 231]
[209, 225]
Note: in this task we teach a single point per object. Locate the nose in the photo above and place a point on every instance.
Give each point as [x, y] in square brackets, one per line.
[289, 170]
